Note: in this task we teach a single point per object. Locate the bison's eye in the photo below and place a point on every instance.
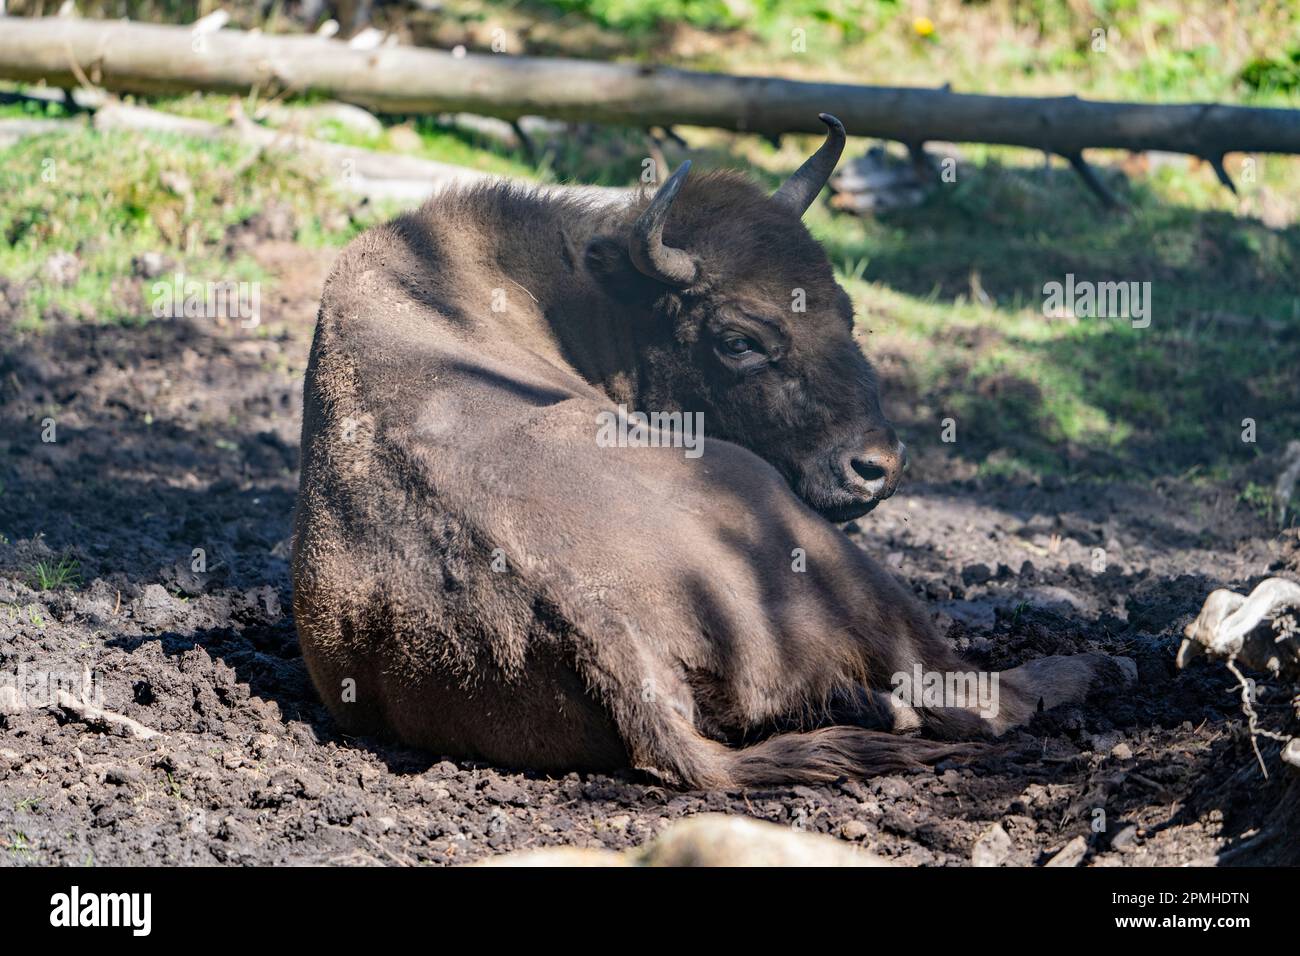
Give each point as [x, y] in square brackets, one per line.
[738, 345]
[743, 352]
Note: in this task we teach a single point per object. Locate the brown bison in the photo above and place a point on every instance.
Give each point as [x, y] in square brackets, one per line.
[478, 573]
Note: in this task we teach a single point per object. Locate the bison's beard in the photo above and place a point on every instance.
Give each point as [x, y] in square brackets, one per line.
[839, 514]
[823, 490]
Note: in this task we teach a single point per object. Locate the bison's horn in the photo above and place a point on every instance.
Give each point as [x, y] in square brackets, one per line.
[647, 249]
[798, 192]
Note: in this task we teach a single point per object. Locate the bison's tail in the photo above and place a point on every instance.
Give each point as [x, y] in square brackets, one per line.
[833, 752]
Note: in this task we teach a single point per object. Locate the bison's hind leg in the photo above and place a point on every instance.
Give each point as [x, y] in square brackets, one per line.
[663, 738]
[1021, 692]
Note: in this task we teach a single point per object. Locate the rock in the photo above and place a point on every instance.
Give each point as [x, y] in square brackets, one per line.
[154, 607]
[893, 788]
[854, 830]
[352, 118]
[1291, 752]
[1104, 743]
[1126, 837]
[976, 574]
[712, 839]
[1122, 751]
[177, 183]
[504, 790]
[992, 848]
[11, 701]
[709, 839]
[404, 138]
[1071, 854]
[262, 602]
[876, 182]
[61, 269]
[1060, 599]
[150, 265]
[561, 856]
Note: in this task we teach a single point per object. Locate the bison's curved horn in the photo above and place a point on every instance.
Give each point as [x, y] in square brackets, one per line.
[798, 192]
[647, 249]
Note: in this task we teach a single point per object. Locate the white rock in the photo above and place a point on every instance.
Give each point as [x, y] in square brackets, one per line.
[992, 848]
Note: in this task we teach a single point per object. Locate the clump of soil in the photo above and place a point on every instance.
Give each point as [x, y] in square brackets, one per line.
[166, 496]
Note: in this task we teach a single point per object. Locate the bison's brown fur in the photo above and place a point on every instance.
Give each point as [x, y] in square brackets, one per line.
[475, 576]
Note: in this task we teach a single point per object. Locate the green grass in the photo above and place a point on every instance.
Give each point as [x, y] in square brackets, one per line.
[951, 294]
[106, 198]
[49, 575]
[19, 846]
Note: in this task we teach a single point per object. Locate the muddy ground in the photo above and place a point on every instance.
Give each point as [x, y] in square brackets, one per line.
[178, 435]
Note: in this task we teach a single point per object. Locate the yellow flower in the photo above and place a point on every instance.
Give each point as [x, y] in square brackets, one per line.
[923, 26]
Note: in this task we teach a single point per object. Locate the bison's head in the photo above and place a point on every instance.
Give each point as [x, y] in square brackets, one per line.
[743, 320]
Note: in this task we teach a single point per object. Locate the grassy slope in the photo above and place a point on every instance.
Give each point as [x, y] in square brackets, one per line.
[949, 293]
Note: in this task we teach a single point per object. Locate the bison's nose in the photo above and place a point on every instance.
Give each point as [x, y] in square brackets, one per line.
[875, 469]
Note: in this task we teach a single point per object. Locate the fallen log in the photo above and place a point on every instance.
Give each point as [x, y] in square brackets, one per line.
[370, 173]
[147, 58]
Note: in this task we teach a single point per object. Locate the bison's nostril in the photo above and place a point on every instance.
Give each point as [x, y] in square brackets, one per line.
[868, 470]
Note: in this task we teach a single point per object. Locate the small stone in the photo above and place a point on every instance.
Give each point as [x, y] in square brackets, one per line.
[854, 830]
[150, 265]
[976, 574]
[504, 790]
[1071, 854]
[992, 848]
[1291, 752]
[1122, 751]
[404, 138]
[11, 702]
[62, 269]
[1127, 837]
[713, 839]
[1104, 743]
[351, 118]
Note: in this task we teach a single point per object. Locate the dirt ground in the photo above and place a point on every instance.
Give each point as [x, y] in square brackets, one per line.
[178, 435]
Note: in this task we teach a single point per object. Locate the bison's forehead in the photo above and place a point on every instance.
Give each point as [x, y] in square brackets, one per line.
[799, 289]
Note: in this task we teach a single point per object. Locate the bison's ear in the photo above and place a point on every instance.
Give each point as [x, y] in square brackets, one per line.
[605, 256]
[610, 265]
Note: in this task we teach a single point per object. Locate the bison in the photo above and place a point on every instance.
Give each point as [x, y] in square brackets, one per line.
[477, 574]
